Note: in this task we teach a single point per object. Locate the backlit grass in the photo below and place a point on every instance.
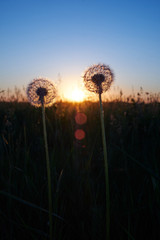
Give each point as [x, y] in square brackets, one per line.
[77, 167]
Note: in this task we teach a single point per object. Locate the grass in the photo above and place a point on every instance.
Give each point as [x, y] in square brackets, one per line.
[78, 193]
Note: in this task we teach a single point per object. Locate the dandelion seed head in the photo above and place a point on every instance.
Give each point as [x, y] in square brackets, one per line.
[98, 78]
[41, 91]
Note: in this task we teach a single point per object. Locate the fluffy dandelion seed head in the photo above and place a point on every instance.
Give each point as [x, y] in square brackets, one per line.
[41, 91]
[98, 78]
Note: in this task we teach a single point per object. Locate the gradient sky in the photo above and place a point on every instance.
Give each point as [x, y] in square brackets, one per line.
[61, 38]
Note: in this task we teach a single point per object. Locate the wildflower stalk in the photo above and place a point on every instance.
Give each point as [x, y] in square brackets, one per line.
[106, 169]
[41, 93]
[48, 171]
[98, 79]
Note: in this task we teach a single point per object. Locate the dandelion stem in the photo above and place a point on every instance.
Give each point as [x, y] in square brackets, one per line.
[106, 170]
[48, 172]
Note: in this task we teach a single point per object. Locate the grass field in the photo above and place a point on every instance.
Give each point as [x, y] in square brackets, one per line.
[77, 171]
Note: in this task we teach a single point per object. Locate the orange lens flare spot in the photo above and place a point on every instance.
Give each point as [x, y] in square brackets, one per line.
[80, 118]
[79, 134]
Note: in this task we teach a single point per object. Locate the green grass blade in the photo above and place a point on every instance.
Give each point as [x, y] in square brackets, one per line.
[29, 204]
[147, 169]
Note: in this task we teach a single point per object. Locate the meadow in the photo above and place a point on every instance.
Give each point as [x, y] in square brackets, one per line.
[77, 170]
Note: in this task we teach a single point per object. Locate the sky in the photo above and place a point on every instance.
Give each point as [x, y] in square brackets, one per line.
[60, 39]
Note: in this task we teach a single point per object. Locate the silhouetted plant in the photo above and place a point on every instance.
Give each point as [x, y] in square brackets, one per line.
[98, 79]
[41, 93]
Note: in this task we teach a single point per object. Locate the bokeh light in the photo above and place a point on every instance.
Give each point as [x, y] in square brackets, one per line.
[80, 118]
[79, 134]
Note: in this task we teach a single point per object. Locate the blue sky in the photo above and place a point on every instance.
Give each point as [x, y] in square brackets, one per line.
[60, 38]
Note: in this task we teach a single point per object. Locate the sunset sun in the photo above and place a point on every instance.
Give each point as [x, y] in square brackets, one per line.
[77, 95]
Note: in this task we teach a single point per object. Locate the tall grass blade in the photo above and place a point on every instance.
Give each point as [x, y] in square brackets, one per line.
[28, 203]
[147, 169]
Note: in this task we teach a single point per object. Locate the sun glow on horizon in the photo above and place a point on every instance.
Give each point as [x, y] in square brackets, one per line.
[77, 95]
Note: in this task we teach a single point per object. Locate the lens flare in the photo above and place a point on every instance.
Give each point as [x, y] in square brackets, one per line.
[79, 134]
[80, 118]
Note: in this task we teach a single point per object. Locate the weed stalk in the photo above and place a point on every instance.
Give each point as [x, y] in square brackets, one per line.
[106, 169]
[48, 171]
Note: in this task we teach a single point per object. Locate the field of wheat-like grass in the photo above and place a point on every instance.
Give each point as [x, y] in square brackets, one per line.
[77, 171]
